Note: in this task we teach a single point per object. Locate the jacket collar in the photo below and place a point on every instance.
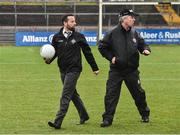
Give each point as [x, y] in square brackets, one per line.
[123, 29]
[61, 32]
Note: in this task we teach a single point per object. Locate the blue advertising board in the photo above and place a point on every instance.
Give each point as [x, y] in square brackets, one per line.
[41, 38]
[151, 36]
[160, 36]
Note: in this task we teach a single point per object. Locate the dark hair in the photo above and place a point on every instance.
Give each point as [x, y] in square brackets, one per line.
[65, 18]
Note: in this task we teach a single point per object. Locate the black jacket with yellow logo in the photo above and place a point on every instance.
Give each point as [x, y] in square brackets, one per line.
[68, 51]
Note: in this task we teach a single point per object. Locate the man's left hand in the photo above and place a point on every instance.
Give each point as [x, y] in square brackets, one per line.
[47, 61]
[96, 72]
[146, 52]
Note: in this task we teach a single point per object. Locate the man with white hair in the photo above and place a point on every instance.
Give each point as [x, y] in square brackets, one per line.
[121, 47]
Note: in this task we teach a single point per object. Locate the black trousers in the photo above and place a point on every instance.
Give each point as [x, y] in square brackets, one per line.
[70, 93]
[113, 89]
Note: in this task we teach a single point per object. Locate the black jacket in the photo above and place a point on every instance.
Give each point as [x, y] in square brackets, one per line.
[68, 51]
[125, 46]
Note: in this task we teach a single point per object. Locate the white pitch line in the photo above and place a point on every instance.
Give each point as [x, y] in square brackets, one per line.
[31, 80]
[24, 63]
[149, 63]
[161, 63]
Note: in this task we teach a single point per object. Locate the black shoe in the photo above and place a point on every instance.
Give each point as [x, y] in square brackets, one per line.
[106, 123]
[82, 121]
[145, 119]
[51, 124]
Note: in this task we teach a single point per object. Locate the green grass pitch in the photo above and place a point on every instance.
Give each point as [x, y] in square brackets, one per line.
[30, 92]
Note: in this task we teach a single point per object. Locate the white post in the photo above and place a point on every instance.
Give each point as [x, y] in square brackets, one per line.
[100, 20]
[101, 3]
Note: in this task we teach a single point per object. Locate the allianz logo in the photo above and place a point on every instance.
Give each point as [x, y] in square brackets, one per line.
[33, 38]
[92, 38]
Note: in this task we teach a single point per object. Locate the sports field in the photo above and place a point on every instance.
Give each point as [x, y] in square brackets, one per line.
[30, 91]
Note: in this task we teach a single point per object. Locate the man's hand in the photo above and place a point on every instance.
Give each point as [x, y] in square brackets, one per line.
[47, 61]
[146, 52]
[113, 60]
[96, 72]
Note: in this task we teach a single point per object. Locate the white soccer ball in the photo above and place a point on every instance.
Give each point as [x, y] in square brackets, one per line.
[47, 51]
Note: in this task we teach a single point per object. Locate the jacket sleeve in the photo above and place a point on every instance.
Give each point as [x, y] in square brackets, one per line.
[87, 53]
[104, 47]
[53, 44]
[141, 43]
